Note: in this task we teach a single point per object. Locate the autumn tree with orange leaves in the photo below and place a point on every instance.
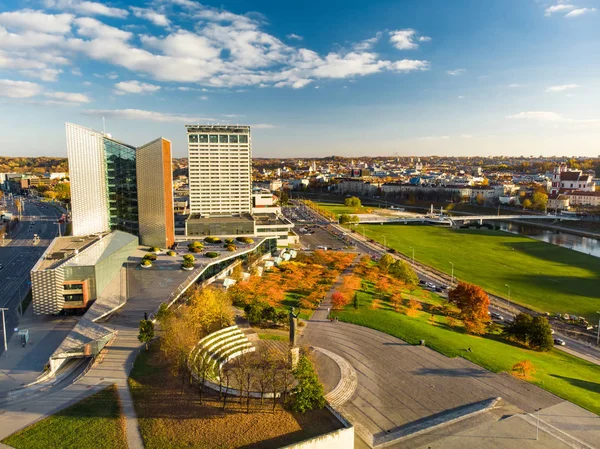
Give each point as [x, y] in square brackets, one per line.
[473, 303]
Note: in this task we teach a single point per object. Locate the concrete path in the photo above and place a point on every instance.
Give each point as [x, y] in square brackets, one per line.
[399, 383]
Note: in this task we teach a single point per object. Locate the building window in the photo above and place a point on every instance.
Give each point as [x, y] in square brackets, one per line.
[193, 138]
[233, 139]
[243, 139]
[203, 138]
[223, 138]
[213, 138]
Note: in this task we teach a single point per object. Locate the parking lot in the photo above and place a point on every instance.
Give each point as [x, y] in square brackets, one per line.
[314, 233]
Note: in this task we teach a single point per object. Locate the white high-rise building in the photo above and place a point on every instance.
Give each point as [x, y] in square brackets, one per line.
[87, 170]
[220, 158]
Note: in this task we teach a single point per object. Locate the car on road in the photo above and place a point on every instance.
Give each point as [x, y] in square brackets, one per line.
[1, 266]
[559, 342]
[497, 316]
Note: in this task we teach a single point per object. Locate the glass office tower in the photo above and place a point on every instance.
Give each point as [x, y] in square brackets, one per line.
[109, 177]
[121, 182]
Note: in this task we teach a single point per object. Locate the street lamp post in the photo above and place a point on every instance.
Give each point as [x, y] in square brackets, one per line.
[537, 427]
[598, 334]
[452, 281]
[4, 328]
[508, 301]
[413, 255]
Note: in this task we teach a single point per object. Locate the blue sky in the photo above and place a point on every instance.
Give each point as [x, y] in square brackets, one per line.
[313, 78]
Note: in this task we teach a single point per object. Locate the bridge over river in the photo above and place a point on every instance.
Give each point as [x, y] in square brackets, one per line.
[452, 220]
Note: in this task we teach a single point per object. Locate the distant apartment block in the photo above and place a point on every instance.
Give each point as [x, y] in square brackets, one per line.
[219, 169]
[116, 186]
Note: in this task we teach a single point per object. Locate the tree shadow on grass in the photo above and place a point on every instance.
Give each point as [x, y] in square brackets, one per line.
[579, 383]
[453, 372]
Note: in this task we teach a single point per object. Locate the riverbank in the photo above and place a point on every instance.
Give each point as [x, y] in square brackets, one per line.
[582, 228]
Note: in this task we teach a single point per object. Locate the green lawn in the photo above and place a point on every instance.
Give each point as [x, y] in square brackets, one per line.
[562, 374]
[83, 425]
[341, 209]
[542, 276]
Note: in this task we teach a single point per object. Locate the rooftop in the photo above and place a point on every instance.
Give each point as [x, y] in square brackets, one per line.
[221, 218]
[62, 249]
[217, 128]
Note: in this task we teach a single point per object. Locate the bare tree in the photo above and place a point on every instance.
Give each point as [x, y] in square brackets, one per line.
[226, 371]
[202, 365]
[262, 373]
[240, 371]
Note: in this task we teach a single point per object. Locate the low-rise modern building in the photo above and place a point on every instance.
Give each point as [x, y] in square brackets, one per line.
[74, 270]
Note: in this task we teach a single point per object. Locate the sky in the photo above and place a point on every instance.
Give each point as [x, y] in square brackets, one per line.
[312, 78]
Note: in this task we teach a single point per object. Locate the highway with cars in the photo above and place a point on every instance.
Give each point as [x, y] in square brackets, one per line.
[20, 251]
[318, 226]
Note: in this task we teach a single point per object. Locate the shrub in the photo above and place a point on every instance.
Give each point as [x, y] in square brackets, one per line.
[188, 258]
[211, 254]
[245, 240]
[229, 241]
[146, 263]
[171, 253]
[230, 247]
[212, 240]
[150, 257]
[308, 393]
[187, 264]
[154, 249]
[523, 370]
[195, 245]
[195, 249]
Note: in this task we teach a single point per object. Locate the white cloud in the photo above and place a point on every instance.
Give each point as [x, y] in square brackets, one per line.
[134, 87]
[456, 72]
[203, 98]
[262, 126]
[87, 83]
[561, 88]
[553, 117]
[88, 27]
[466, 136]
[579, 12]
[87, 7]
[112, 76]
[514, 85]
[296, 37]
[434, 138]
[155, 17]
[367, 44]
[44, 74]
[558, 8]
[68, 97]
[76, 72]
[460, 97]
[140, 114]
[537, 115]
[403, 39]
[424, 39]
[408, 65]
[28, 19]
[222, 50]
[18, 89]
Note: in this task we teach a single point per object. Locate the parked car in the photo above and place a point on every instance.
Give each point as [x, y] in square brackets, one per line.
[559, 342]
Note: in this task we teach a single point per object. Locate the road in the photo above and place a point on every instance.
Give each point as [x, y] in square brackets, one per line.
[20, 253]
[375, 250]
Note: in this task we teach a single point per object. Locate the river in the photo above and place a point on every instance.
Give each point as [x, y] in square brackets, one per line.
[577, 243]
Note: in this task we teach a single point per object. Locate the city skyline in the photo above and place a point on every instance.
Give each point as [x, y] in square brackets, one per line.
[417, 78]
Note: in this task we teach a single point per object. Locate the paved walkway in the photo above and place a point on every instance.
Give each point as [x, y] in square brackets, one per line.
[399, 383]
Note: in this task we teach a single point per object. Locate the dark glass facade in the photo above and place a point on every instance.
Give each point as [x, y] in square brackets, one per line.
[122, 186]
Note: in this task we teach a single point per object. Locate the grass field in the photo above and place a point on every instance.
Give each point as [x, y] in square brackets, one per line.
[545, 277]
[562, 374]
[80, 426]
[170, 415]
